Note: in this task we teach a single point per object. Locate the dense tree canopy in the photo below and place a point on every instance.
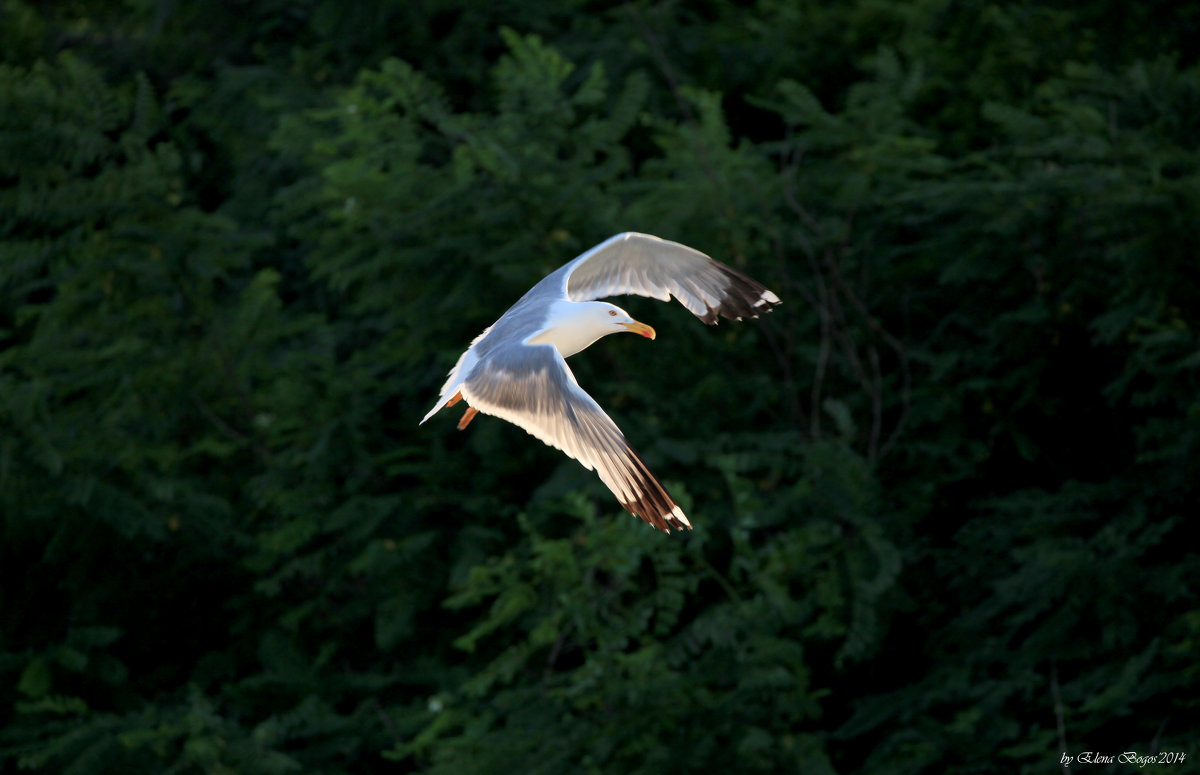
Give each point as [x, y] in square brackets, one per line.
[941, 495]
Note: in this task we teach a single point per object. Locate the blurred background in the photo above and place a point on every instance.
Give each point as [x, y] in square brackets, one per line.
[941, 495]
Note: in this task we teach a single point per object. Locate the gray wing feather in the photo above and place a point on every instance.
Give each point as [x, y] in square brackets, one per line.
[532, 387]
[644, 265]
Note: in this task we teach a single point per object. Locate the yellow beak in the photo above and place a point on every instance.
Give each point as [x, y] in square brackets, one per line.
[639, 328]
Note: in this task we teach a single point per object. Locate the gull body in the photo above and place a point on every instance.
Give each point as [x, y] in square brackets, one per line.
[516, 369]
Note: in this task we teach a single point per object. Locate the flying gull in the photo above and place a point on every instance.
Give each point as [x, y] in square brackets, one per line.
[516, 369]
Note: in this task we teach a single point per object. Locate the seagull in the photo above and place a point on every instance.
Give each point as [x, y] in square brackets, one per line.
[517, 370]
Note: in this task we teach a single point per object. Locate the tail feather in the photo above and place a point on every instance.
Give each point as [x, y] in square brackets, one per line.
[452, 389]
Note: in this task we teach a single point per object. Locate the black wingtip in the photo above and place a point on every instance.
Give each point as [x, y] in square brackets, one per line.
[654, 504]
[665, 521]
[744, 297]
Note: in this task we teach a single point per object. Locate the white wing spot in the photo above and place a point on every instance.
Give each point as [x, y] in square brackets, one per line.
[767, 298]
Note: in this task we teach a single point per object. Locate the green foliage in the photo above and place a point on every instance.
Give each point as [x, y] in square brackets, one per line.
[941, 495]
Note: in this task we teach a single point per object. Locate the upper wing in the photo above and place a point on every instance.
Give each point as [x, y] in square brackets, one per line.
[531, 386]
[643, 265]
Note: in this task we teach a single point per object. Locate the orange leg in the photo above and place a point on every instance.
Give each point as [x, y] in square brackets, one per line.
[467, 417]
[457, 397]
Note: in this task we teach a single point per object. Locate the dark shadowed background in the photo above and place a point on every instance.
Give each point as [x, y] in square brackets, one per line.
[941, 496]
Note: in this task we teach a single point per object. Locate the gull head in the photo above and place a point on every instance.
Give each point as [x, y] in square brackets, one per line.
[611, 319]
[574, 325]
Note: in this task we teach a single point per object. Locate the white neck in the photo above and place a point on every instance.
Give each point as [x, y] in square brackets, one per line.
[570, 328]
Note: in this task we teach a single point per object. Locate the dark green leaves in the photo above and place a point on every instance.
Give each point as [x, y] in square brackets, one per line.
[941, 495]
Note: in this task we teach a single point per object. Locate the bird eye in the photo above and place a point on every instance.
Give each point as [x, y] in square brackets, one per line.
[612, 313]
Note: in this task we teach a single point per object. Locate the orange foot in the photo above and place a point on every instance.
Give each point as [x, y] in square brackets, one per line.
[467, 417]
[457, 397]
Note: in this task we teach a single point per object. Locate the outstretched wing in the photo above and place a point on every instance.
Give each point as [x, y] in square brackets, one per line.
[531, 386]
[644, 265]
